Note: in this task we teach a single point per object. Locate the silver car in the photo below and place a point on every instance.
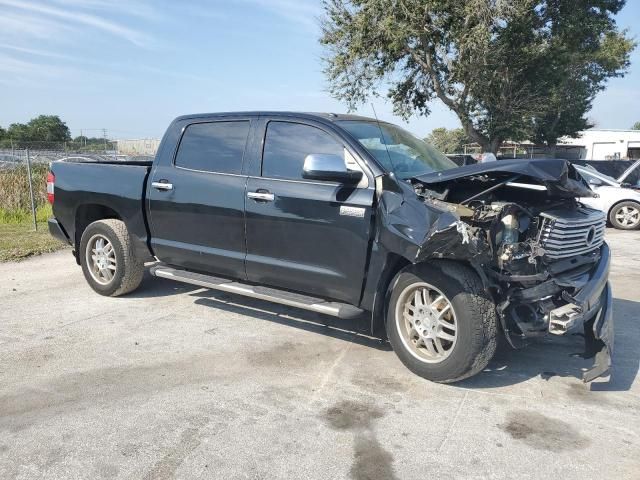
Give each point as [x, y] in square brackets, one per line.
[620, 202]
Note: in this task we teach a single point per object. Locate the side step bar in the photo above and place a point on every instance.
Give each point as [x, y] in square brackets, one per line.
[335, 309]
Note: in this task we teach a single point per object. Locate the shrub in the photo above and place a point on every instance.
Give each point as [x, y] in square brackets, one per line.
[15, 200]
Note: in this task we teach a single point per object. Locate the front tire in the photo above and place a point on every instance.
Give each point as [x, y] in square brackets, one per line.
[108, 260]
[440, 321]
[625, 215]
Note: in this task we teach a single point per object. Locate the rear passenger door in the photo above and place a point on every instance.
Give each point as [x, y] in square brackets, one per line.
[302, 235]
[196, 201]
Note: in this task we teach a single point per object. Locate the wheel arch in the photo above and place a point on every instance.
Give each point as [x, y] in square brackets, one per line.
[618, 202]
[397, 264]
[85, 215]
[393, 265]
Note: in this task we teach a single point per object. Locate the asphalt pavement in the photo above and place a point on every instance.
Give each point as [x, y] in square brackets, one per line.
[175, 381]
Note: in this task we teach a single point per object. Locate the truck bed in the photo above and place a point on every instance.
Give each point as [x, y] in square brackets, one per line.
[86, 187]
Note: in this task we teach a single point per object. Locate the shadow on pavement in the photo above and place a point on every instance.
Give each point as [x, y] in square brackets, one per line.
[545, 358]
[160, 287]
[355, 331]
[559, 357]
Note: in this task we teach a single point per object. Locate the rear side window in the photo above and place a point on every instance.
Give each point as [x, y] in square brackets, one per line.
[287, 144]
[213, 147]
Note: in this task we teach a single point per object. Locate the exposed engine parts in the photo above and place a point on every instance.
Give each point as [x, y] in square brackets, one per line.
[528, 234]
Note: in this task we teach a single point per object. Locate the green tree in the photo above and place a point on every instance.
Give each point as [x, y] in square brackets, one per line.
[19, 132]
[636, 126]
[488, 61]
[44, 128]
[448, 141]
[48, 128]
[587, 50]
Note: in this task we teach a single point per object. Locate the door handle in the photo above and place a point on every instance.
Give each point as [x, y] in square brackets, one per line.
[263, 196]
[162, 185]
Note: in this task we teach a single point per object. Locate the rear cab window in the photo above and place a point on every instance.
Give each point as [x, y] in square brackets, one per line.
[216, 147]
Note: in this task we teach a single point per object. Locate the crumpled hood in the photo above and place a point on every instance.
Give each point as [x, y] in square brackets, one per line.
[559, 176]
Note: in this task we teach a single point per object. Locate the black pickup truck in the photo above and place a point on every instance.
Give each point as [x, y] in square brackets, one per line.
[343, 215]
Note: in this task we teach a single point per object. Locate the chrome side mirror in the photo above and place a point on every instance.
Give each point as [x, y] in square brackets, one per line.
[329, 168]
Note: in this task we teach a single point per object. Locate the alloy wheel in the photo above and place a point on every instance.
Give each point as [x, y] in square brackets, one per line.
[427, 322]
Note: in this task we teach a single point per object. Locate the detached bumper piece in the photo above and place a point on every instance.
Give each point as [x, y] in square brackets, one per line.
[568, 298]
[598, 337]
[592, 306]
[562, 319]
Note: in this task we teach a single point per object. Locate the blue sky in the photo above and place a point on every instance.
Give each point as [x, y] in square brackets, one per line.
[132, 66]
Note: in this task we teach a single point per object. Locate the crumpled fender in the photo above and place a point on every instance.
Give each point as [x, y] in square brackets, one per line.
[410, 231]
[417, 231]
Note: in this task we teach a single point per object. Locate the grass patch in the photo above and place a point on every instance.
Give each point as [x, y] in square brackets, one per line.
[14, 187]
[19, 241]
[17, 216]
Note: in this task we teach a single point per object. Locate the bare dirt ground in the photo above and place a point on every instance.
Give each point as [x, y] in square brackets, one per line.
[181, 382]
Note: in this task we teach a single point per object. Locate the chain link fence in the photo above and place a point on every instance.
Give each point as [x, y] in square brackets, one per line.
[23, 175]
[103, 147]
[23, 185]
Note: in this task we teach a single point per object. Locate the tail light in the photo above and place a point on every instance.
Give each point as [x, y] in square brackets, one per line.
[51, 181]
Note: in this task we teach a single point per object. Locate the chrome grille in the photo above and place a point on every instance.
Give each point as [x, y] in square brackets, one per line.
[566, 233]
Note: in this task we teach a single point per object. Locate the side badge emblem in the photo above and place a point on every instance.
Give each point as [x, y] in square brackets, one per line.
[352, 211]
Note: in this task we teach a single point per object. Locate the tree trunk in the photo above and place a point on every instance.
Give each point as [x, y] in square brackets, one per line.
[491, 146]
[471, 132]
[494, 145]
[551, 149]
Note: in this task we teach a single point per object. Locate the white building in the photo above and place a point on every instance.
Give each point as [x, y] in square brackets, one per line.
[597, 144]
[144, 146]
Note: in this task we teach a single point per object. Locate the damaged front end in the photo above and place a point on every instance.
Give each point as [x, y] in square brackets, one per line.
[538, 250]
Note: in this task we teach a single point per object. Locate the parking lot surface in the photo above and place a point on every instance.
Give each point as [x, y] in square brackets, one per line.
[175, 381]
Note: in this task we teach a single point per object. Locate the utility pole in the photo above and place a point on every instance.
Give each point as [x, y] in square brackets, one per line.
[104, 135]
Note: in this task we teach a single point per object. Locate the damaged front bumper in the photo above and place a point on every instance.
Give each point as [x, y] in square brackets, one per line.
[592, 306]
[589, 305]
[599, 337]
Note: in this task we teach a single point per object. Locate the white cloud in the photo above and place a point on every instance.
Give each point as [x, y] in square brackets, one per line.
[135, 37]
[302, 12]
[20, 68]
[31, 72]
[34, 51]
[20, 26]
[134, 8]
[209, 11]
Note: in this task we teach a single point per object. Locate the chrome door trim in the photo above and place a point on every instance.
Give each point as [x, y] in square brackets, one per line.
[162, 185]
[266, 197]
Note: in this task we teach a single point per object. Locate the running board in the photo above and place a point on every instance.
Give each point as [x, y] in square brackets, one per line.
[335, 309]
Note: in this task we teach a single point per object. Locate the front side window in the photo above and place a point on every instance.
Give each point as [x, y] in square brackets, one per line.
[397, 150]
[213, 147]
[287, 144]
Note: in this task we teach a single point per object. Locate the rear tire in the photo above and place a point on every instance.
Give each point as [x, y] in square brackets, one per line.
[108, 260]
[625, 215]
[452, 334]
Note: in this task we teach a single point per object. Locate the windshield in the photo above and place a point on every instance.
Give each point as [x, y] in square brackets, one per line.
[591, 173]
[397, 150]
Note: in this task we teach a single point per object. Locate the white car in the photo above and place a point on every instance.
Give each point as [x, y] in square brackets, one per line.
[620, 202]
